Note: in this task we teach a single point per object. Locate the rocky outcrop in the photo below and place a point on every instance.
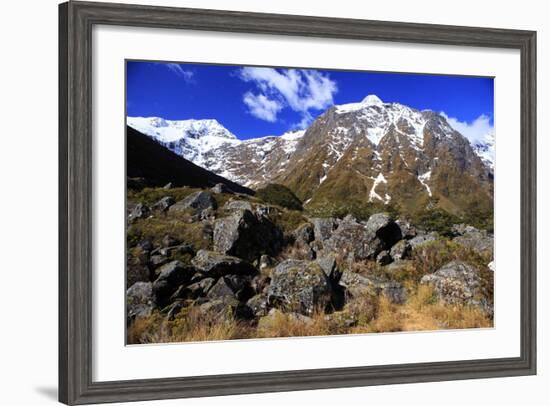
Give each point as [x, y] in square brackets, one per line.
[478, 240]
[364, 241]
[247, 235]
[299, 286]
[164, 204]
[237, 205]
[214, 265]
[358, 285]
[170, 277]
[140, 211]
[197, 201]
[139, 300]
[400, 251]
[460, 283]
[323, 228]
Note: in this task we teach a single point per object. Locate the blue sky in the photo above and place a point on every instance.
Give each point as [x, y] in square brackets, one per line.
[255, 101]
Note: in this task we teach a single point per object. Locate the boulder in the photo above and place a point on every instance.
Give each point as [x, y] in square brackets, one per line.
[408, 231]
[304, 234]
[299, 286]
[423, 239]
[260, 283]
[197, 201]
[140, 211]
[247, 236]
[330, 267]
[214, 265]
[139, 300]
[193, 290]
[359, 286]
[237, 205]
[323, 228]
[170, 277]
[220, 188]
[460, 283]
[353, 241]
[258, 305]
[382, 225]
[237, 286]
[400, 251]
[168, 186]
[383, 258]
[226, 308]
[478, 240]
[164, 203]
[145, 245]
[157, 260]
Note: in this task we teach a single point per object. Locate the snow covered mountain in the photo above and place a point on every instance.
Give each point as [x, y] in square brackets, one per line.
[356, 153]
[191, 139]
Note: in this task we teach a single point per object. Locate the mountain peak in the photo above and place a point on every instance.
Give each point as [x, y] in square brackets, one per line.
[372, 99]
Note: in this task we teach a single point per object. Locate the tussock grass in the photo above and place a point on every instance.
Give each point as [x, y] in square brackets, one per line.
[189, 325]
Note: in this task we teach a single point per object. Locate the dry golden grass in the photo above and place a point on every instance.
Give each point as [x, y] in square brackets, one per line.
[189, 325]
[424, 312]
[288, 325]
[421, 312]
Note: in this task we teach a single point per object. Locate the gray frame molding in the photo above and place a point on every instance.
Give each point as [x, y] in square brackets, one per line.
[75, 180]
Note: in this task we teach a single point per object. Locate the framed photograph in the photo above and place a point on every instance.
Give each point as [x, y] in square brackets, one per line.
[259, 202]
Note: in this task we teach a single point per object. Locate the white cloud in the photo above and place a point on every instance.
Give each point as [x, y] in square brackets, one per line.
[178, 70]
[476, 131]
[262, 107]
[300, 90]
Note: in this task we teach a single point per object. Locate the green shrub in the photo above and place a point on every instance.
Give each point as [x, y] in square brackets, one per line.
[436, 220]
[279, 195]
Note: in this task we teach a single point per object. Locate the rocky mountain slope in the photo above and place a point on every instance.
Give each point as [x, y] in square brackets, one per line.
[366, 153]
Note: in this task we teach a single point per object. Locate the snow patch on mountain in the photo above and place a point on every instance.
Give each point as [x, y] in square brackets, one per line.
[373, 195]
[424, 179]
[485, 148]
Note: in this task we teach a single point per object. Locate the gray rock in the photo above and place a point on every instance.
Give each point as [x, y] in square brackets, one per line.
[237, 286]
[177, 249]
[220, 188]
[247, 236]
[423, 239]
[197, 201]
[213, 264]
[157, 260]
[170, 277]
[304, 234]
[323, 228]
[478, 240]
[237, 205]
[140, 211]
[383, 258]
[194, 290]
[139, 300]
[408, 231]
[459, 283]
[258, 305]
[382, 225]
[164, 203]
[168, 186]
[330, 267]
[400, 251]
[354, 241]
[299, 286]
[358, 286]
[173, 310]
[226, 308]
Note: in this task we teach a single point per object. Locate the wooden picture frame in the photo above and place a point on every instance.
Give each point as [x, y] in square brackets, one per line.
[76, 20]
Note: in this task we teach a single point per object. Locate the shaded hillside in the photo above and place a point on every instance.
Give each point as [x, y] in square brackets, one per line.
[158, 166]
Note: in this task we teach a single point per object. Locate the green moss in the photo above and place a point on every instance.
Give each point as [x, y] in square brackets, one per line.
[279, 195]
